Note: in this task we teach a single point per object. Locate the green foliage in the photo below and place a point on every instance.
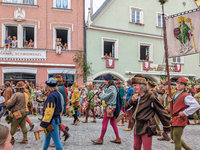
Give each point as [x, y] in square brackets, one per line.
[162, 2]
[163, 78]
[192, 80]
[86, 68]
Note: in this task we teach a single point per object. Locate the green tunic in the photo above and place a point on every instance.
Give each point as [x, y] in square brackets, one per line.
[62, 91]
[90, 94]
[183, 37]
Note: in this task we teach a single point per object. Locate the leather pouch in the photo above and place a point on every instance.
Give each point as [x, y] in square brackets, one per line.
[151, 128]
[17, 114]
[50, 128]
[109, 112]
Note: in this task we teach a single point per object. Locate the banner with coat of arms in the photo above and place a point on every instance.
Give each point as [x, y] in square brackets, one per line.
[183, 33]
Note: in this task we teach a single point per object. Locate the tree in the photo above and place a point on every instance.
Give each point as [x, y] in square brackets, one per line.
[85, 66]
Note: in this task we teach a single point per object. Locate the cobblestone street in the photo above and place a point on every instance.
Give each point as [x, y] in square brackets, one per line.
[82, 134]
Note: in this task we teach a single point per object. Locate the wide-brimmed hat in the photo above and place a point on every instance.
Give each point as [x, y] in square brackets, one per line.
[51, 82]
[20, 85]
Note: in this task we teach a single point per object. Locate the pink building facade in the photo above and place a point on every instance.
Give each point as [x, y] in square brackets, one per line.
[42, 21]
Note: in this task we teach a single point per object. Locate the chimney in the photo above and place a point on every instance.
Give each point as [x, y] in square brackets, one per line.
[91, 8]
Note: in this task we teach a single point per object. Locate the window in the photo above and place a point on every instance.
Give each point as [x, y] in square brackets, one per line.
[176, 59]
[28, 36]
[136, 15]
[62, 4]
[110, 48]
[160, 21]
[29, 2]
[11, 1]
[12, 32]
[145, 51]
[63, 36]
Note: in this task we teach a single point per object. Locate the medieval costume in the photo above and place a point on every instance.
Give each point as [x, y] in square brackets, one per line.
[90, 105]
[197, 113]
[51, 115]
[18, 106]
[183, 106]
[129, 111]
[110, 98]
[144, 109]
[122, 93]
[75, 103]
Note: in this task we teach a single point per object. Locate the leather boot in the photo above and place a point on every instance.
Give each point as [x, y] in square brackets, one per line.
[85, 121]
[24, 141]
[66, 134]
[98, 141]
[198, 122]
[117, 141]
[194, 122]
[77, 121]
[52, 145]
[94, 121]
[120, 124]
[31, 126]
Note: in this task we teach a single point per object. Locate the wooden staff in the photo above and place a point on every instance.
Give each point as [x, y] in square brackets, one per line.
[93, 96]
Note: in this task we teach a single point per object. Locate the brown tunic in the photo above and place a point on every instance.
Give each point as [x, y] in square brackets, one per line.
[17, 102]
[148, 106]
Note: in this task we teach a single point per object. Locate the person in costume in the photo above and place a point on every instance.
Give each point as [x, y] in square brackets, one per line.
[8, 92]
[145, 104]
[128, 96]
[75, 103]
[51, 115]
[197, 113]
[110, 97]
[90, 104]
[122, 94]
[165, 136]
[183, 106]
[18, 105]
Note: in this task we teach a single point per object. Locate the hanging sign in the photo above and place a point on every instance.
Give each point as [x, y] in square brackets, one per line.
[110, 63]
[183, 33]
[146, 65]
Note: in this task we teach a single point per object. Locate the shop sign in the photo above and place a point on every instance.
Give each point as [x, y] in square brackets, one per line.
[23, 55]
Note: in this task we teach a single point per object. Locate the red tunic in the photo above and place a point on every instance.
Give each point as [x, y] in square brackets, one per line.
[178, 106]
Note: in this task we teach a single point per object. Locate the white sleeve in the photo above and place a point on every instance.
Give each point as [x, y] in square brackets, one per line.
[193, 105]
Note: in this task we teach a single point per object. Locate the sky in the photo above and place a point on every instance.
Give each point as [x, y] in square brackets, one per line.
[96, 5]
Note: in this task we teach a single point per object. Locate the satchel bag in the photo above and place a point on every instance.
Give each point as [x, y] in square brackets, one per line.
[17, 114]
[109, 112]
[151, 128]
[50, 128]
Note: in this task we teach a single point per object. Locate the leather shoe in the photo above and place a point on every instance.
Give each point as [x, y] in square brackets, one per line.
[98, 141]
[117, 141]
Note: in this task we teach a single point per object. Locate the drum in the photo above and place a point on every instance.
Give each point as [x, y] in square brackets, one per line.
[120, 117]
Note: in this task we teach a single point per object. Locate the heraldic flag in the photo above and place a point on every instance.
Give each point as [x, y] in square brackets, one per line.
[183, 33]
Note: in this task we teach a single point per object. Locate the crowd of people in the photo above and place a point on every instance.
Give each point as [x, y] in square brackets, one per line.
[143, 104]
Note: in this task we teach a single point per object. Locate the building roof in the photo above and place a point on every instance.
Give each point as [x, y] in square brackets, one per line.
[98, 12]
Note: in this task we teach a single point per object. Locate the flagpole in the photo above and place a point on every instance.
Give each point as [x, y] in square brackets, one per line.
[166, 58]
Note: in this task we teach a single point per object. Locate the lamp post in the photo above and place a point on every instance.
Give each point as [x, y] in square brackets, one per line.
[162, 2]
